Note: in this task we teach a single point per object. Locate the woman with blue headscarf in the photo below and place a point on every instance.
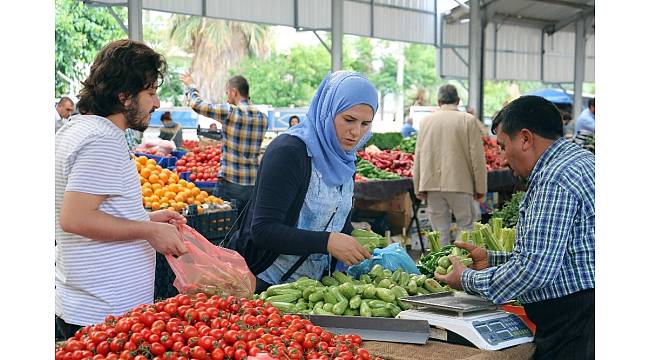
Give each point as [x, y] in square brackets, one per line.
[298, 217]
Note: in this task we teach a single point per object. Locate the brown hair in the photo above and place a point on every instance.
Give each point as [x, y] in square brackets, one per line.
[121, 67]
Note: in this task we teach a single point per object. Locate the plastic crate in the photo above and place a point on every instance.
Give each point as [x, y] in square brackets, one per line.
[213, 225]
[165, 162]
[179, 154]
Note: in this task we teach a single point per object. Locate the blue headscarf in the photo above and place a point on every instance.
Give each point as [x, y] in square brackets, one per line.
[338, 92]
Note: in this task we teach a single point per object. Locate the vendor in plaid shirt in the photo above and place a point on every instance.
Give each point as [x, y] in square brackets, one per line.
[244, 127]
[552, 267]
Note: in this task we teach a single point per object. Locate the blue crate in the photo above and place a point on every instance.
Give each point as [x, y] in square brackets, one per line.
[179, 154]
[185, 175]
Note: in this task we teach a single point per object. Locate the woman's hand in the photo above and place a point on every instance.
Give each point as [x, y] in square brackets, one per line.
[346, 248]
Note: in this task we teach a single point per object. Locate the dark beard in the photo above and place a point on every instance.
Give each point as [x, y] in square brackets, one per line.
[135, 119]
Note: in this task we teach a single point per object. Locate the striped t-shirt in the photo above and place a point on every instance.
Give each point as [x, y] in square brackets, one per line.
[97, 278]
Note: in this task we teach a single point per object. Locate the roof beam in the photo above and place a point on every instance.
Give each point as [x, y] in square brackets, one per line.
[553, 28]
[519, 19]
[581, 6]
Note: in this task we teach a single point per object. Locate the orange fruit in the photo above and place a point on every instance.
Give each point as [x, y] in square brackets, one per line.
[182, 182]
[204, 193]
[145, 173]
[156, 186]
[151, 161]
[154, 178]
[191, 185]
[200, 210]
[159, 193]
[147, 191]
[142, 160]
[195, 191]
[155, 206]
[155, 198]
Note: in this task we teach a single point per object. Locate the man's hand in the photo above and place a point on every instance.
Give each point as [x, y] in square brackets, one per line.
[453, 279]
[167, 216]
[478, 255]
[165, 238]
[346, 248]
[186, 79]
[421, 195]
[478, 196]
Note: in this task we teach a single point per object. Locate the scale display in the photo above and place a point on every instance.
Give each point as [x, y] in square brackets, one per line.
[472, 318]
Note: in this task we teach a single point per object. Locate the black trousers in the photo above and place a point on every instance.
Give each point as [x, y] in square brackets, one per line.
[63, 330]
[565, 326]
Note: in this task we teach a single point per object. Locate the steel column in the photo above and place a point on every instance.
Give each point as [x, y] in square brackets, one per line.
[337, 35]
[579, 67]
[135, 20]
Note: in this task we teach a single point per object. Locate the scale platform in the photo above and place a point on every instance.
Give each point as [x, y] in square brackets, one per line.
[465, 319]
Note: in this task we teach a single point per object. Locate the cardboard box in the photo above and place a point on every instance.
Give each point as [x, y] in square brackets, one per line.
[398, 203]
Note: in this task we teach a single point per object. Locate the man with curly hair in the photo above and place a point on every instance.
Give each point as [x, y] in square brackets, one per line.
[106, 242]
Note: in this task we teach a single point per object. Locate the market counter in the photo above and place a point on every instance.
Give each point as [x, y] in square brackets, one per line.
[439, 350]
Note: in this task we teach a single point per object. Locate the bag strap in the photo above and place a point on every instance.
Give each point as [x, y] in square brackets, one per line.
[226, 239]
[302, 259]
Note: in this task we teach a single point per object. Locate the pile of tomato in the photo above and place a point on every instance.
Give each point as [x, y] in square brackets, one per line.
[198, 327]
[203, 164]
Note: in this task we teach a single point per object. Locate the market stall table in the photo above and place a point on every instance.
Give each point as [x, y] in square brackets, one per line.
[444, 351]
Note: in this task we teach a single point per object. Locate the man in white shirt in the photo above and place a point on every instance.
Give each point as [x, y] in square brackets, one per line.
[62, 112]
[106, 242]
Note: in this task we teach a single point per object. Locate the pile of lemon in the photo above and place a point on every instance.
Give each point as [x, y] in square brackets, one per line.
[162, 188]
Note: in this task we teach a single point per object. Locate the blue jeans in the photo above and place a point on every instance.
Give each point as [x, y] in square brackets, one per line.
[237, 194]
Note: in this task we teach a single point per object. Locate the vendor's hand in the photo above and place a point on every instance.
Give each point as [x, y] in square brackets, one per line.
[421, 195]
[165, 238]
[186, 79]
[453, 279]
[478, 196]
[478, 254]
[346, 248]
[167, 216]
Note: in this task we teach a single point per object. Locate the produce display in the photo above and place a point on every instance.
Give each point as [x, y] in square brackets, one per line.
[394, 161]
[493, 237]
[510, 210]
[385, 141]
[376, 294]
[366, 170]
[203, 328]
[190, 144]
[369, 240]
[492, 159]
[162, 188]
[203, 164]
[407, 145]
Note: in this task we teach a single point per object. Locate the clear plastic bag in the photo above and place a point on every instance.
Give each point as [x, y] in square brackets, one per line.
[392, 257]
[210, 269]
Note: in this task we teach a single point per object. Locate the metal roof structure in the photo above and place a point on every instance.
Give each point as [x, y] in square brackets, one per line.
[398, 20]
[503, 39]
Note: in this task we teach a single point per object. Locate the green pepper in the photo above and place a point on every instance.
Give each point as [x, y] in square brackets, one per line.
[385, 295]
[329, 281]
[339, 307]
[381, 312]
[369, 292]
[317, 296]
[355, 302]
[364, 309]
[319, 311]
[385, 283]
[376, 270]
[341, 277]
[328, 307]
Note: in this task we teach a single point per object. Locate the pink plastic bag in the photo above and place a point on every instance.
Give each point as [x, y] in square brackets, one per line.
[210, 269]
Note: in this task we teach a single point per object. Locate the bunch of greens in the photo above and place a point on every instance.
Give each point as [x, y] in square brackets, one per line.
[407, 145]
[385, 141]
[510, 211]
[370, 171]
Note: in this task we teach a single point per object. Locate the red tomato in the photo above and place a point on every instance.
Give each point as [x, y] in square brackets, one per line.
[157, 348]
[241, 354]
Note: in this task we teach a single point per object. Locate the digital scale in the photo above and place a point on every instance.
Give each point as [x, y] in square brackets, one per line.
[457, 317]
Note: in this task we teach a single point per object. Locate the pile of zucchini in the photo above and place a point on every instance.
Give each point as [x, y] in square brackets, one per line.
[376, 294]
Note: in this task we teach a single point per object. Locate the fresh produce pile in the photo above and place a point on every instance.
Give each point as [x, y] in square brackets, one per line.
[366, 170]
[162, 188]
[190, 144]
[376, 294]
[202, 327]
[492, 157]
[407, 145]
[385, 141]
[493, 237]
[438, 261]
[369, 240]
[203, 164]
[510, 210]
[394, 161]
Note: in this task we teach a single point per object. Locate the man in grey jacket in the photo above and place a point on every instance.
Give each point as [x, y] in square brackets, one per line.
[449, 169]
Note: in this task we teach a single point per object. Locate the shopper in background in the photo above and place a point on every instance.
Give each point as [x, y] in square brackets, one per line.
[244, 127]
[408, 130]
[587, 120]
[449, 167]
[552, 268]
[171, 130]
[294, 120]
[300, 210]
[106, 242]
[62, 112]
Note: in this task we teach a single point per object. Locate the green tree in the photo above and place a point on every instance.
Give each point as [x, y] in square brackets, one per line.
[80, 32]
[216, 46]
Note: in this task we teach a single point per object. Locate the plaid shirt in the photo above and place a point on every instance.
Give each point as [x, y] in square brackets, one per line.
[243, 131]
[554, 252]
[133, 138]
